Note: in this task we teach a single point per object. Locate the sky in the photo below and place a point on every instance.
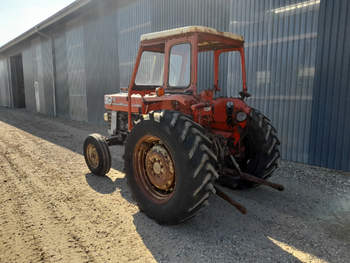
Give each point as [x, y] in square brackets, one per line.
[17, 16]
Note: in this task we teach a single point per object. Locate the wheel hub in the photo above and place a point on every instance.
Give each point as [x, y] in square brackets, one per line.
[92, 155]
[157, 168]
[160, 168]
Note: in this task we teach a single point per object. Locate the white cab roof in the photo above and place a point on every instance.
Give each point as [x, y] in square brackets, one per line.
[189, 29]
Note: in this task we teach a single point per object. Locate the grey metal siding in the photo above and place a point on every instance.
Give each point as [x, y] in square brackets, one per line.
[28, 73]
[76, 70]
[38, 67]
[46, 52]
[330, 129]
[133, 20]
[4, 87]
[280, 61]
[101, 61]
[62, 91]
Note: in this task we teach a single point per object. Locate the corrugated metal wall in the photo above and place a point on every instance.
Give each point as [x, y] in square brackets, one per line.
[62, 91]
[76, 70]
[37, 71]
[29, 61]
[39, 88]
[133, 20]
[281, 41]
[101, 59]
[47, 77]
[34, 77]
[330, 126]
[296, 55]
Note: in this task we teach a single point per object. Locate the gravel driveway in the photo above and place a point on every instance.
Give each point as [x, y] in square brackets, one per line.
[53, 210]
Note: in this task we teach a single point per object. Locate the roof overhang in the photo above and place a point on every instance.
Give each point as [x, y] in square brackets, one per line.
[46, 23]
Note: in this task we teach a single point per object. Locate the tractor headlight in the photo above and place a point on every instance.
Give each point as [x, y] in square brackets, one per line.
[106, 117]
[108, 99]
[229, 105]
[241, 116]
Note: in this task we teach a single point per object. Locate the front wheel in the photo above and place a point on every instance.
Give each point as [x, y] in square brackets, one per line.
[169, 166]
[97, 154]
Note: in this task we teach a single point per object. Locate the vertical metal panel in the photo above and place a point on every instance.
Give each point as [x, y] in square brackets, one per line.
[46, 52]
[101, 59]
[28, 73]
[76, 70]
[329, 136]
[62, 91]
[4, 87]
[281, 40]
[133, 19]
[38, 73]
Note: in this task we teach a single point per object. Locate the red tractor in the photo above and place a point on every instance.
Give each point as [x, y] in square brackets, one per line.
[181, 143]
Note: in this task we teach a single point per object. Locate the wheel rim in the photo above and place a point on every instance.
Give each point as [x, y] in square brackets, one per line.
[92, 155]
[154, 168]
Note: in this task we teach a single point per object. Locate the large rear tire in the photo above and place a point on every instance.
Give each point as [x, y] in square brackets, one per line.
[261, 152]
[169, 166]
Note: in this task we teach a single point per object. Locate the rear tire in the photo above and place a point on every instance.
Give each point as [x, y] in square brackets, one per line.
[262, 153]
[97, 154]
[190, 163]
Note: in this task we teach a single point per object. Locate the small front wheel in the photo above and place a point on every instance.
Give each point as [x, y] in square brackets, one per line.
[97, 155]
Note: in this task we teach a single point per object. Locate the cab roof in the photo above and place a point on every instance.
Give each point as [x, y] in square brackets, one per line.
[189, 29]
[208, 38]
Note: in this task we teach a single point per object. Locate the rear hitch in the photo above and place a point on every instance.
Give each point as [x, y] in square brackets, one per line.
[246, 177]
[258, 180]
[254, 179]
[224, 196]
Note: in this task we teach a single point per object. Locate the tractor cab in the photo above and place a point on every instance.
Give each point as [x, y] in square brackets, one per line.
[169, 59]
[165, 75]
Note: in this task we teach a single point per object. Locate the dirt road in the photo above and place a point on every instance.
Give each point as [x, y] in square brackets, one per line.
[53, 210]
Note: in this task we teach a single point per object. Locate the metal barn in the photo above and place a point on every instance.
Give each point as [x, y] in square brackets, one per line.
[297, 52]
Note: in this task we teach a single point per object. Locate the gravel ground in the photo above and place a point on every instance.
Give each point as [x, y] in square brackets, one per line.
[53, 210]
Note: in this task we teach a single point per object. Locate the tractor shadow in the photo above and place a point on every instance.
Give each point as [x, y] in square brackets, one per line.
[106, 185]
[286, 226]
[103, 184]
[109, 183]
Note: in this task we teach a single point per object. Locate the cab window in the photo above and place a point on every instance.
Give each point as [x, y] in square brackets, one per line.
[151, 68]
[180, 66]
